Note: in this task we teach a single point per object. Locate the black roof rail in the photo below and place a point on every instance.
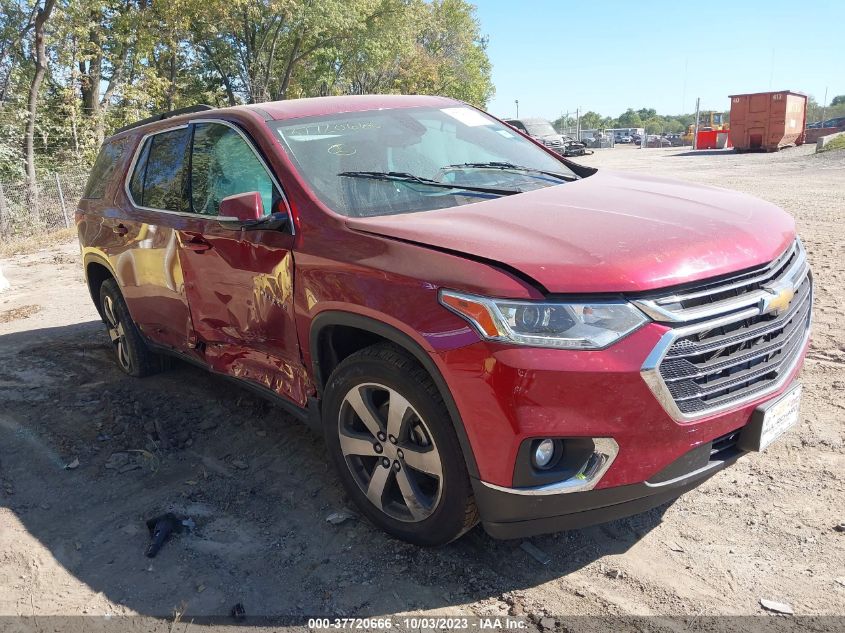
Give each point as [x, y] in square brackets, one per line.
[202, 107]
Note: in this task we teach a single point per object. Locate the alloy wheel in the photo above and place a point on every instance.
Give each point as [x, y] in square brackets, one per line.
[117, 333]
[390, 452]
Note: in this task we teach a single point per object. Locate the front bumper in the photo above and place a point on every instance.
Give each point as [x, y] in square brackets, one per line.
[509, 514]
[507, 395]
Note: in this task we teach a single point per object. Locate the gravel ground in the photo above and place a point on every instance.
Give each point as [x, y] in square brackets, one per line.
[259, 487]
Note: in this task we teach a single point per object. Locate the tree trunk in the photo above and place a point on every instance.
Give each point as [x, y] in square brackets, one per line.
[89, 85]
[294, 53]
[270, 60]
[171, 89]
[40, 68]
[92, 70]
[227, 81]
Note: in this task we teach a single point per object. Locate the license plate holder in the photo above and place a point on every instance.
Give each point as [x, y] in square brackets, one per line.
[771, 420]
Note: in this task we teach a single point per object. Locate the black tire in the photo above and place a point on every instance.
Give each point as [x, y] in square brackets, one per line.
[454, 510]
[131, 352]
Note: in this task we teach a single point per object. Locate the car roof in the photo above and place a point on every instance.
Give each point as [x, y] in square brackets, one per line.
[298, 108]
[319, 106]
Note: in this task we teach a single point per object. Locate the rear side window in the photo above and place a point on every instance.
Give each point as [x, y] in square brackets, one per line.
[159, 177]
[104, 167]
[136, 185]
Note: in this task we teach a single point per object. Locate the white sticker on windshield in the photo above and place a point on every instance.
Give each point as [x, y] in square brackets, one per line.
[315, 137]
[467, 116]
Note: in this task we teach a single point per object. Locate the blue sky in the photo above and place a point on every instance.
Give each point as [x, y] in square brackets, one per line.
[556, 56]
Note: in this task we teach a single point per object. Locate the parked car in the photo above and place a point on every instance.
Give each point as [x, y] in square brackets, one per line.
[654, 140]
[543, 131]
[572, 147]
[834, 122]
[625, 138]
[675, 140]
[480, 328]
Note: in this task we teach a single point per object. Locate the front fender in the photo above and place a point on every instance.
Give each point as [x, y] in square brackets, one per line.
[412, 342]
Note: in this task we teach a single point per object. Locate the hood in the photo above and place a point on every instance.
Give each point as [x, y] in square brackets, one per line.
[610, 232]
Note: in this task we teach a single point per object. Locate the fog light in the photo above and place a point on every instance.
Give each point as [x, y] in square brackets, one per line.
[543, 453]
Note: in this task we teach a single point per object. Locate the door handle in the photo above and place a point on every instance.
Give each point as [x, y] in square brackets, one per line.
[120, 230]
[197, 245]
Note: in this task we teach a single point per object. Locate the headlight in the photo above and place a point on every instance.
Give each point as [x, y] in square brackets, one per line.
[570, 325]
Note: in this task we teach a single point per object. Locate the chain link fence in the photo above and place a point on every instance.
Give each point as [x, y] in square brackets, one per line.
[46, 205]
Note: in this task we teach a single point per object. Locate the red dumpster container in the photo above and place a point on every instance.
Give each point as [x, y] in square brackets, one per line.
[706, 139]
[767, 121]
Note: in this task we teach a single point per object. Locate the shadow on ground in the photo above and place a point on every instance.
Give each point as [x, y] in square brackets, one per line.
[707, 152]
[257, 484]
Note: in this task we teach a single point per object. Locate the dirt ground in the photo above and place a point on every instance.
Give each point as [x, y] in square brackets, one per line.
[259, 486]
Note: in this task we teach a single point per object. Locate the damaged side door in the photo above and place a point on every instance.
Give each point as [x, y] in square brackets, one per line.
[239, 282]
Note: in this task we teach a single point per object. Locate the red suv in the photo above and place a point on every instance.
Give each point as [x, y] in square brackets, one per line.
[482, 329]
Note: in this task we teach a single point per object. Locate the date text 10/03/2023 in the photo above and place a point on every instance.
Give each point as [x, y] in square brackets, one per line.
[417, 623]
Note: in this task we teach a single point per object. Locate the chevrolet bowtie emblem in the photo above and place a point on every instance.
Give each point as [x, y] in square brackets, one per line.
[778, 303]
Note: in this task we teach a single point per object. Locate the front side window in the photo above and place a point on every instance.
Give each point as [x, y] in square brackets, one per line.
[404, 160]
[158, 179]
[223, 164]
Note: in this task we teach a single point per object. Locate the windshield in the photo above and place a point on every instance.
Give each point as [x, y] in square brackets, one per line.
[378, 162]
[539, 128]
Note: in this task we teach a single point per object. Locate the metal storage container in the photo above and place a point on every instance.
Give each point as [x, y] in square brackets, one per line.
[767, 121]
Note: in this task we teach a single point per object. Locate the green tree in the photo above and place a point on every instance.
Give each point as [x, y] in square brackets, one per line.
[672, 125]
[564, 122]
[838, 100]
[449, 56]
[591, 120]
[654, 125]
[629, 118]
[99, 64]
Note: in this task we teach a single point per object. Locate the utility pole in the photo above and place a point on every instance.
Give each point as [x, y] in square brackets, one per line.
[824, 106]
[62, 199]
[578, 124]
[5, 220]
[695, 135]
[516, 101]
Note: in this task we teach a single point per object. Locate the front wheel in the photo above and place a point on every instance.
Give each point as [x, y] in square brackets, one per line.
[391, 439]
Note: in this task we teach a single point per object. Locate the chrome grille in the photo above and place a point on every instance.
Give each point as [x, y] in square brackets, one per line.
[745, 345]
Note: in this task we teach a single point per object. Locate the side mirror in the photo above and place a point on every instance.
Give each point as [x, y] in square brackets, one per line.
[245, 207]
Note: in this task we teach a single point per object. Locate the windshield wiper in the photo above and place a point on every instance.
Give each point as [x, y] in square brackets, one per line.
[400, 176]
[511, 167]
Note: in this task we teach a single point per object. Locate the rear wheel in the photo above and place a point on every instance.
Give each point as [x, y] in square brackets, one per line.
[131, 352]
[394, 446]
